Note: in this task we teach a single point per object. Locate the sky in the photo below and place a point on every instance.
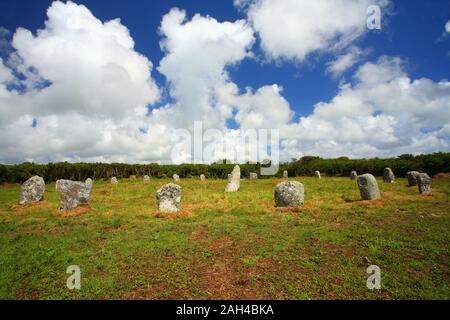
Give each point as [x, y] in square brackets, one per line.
[123, 81]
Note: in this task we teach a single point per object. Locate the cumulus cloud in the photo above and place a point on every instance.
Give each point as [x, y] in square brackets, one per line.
[293, 29]
[447, 27]
[197, 54]
[83, 82]
[385, 112]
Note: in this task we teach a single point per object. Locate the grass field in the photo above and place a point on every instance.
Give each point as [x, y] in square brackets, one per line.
[229, 245]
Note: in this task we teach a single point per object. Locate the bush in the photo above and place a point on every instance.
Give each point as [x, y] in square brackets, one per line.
[430, 163]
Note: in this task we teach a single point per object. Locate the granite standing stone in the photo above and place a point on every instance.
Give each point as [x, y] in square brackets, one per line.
[285, 174]
[253, 176]
[412, 177]
[388, 175]
[114, 180]
[289, 194]
[202, 177]
[32, 190]
[234, 182]
[353, 175]
[368, 187]
[168, 197]
[176, 177]
[424, 183]
[317, 174]
[73, 194]
[146, 179]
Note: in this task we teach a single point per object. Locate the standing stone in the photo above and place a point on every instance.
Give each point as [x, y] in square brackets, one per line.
[424, 183]
[32, 190]
[202, 177]
[317, 174]
[168, 197]
[253, 176]
[289, 194]
[146, 179]
[133, 177]
[89, 182]
[176, 177]
[412, 177]
[353, 175]
[234, 182]
[73, 194]
[114, 180]
[368, 187]
[388, 175]
[285, 174]
[229, 177]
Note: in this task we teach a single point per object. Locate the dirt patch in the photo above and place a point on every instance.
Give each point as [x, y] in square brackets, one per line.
[442, 175]
[24, 207]
[73, 213]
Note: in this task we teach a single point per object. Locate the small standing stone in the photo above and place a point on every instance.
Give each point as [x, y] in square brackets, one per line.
[89, 182]
[253, 176]
[176, 177]
[412, 177]
[289, 194]
[285, 174]
[424, 183]
[388, 175]
[234, 181]
[168, 197]
[353, 175]
[114, 180]
[202, 177]
[146, 179]
[32, 190]
[73, 194]
[368, 187]
[317, 174]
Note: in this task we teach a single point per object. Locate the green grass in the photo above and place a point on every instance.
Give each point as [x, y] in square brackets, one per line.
[229, 245]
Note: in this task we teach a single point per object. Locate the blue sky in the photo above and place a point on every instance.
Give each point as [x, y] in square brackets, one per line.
[413, 31]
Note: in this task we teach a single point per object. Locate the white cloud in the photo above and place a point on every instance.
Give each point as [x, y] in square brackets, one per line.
[197, 53]
[447, 27]
[384, 113]
[293, 29]
[345, 61]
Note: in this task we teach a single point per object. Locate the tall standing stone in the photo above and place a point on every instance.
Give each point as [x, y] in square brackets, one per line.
[412, 177]
[73, 194]
[114, 180]
[353, 175]
[202, 177]
[317, 174]
[234, 182]
[368, 187]
[388, 175]
[32, 190]
[285, 174]
[289, 194]
[146, 179]
[176, 177]
[168, 197]
[253, 176]
[424, 183]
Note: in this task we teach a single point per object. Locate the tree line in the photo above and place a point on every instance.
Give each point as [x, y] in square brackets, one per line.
[430, 163]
